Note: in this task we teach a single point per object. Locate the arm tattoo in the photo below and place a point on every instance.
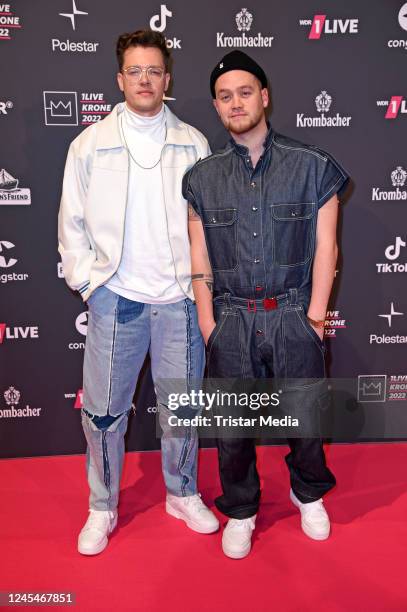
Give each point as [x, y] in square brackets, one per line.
[208, 278]
[192, 214]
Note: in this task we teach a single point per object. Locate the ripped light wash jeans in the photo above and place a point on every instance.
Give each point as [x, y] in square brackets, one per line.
[120, 333]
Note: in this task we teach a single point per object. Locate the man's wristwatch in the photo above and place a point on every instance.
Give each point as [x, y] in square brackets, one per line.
[314, 323]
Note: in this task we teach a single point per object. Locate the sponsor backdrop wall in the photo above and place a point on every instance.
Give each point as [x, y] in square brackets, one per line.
[337, 72]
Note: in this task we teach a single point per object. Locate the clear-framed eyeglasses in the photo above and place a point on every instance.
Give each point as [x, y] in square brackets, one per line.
[134, 73]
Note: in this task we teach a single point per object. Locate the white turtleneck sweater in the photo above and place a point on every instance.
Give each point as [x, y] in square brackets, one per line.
[146, 272]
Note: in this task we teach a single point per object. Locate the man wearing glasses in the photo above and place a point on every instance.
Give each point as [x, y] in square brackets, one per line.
[123, 239]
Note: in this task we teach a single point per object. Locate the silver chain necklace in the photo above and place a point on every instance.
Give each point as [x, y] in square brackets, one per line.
[131, 154]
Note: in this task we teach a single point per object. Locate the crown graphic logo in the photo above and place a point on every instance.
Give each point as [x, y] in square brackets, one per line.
[244, 20]
[60, 109]
[323, 102]
[12, 396]
[372, 388]
[398, 177]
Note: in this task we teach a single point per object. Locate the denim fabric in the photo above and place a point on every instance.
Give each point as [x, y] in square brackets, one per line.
[260, 223]
[279, 344]
[120, 333]
[260, 229]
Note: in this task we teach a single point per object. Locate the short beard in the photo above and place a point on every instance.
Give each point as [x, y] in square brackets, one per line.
[244, 126]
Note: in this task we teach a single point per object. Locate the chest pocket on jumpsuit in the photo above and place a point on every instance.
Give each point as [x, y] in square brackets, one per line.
[293, 231]
[221, 234]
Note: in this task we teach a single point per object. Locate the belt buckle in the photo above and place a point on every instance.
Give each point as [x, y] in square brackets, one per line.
[251, 305]
[270, 303]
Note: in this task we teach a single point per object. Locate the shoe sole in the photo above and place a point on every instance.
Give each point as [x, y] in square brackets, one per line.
[236, 555]
[313, 536]
[96, 551]
[194, 526]
[308, 532]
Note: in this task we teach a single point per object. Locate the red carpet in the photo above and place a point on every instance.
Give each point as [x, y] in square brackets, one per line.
[153, 562]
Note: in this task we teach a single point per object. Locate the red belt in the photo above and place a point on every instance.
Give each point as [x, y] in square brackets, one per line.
[268, 304]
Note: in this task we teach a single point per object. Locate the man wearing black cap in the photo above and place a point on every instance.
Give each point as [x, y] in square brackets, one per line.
[263, 215]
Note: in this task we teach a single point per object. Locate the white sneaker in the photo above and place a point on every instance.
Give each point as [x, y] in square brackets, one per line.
[237, 537]
[94, 535]
[314, 518]
[193, 511]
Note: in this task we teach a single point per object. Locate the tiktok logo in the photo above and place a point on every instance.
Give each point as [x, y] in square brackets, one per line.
[393, 250]
[158, 23]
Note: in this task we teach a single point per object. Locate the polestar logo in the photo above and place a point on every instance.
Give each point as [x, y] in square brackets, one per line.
[72, 15]
[391, 314]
